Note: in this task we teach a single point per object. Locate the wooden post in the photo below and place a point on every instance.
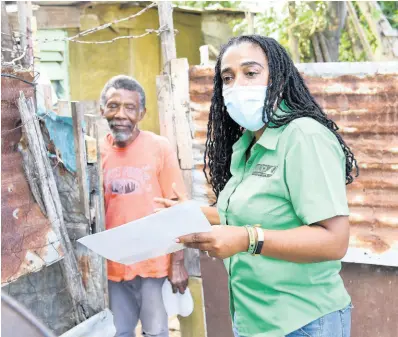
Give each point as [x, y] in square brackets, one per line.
[53, 206]
[100, 211]
[167, 38]
[25, 28]
[250, 22]
[81, 164]
[92, 266]
[204, 55]
[175, 124]
[6, 39]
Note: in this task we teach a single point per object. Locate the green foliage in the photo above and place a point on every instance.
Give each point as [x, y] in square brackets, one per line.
[390, 10]
[369, 35]
[309, 17]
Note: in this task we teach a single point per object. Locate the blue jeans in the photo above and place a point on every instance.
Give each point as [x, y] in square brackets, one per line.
[335, 324]
[138, 299]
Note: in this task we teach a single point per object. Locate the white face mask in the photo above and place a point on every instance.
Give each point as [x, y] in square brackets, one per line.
[245, 105]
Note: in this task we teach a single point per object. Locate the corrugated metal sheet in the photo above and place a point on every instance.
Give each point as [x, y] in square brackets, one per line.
[27, 240]
[362, 98]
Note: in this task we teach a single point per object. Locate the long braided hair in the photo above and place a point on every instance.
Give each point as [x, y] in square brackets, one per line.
[284, 84]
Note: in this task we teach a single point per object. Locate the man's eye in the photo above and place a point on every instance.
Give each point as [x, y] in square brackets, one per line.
[112, 106]
[130, 107]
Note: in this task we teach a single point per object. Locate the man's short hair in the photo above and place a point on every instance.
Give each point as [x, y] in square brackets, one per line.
[123, 82]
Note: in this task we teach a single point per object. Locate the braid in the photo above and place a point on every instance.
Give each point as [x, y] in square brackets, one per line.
[285, 84]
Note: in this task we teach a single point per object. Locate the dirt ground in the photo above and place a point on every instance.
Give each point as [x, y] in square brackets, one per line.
[174, 328]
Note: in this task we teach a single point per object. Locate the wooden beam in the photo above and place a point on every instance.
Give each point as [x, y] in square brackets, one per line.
[250, 22]
[6, 39]
[53, 206]
[81, 163]
[100, 212]
[166, 108]
[167, 38]
[204, 55]
[182, 120]
[91, 149]
[25, 29]
[52, 17]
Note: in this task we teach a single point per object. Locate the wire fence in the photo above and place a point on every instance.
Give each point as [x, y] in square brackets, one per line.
[89, 31]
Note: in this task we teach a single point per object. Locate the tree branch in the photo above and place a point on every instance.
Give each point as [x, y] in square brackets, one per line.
[317, 49]
[360, 31]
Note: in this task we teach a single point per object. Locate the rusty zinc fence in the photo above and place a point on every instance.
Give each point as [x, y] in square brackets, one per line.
[362, 98]
[28, 242]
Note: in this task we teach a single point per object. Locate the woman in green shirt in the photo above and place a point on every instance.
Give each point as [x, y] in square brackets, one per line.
[278, 168]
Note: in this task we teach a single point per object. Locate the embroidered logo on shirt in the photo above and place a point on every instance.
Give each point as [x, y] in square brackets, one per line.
[266, 171]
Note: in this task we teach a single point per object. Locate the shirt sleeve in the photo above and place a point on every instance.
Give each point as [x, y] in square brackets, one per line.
[170, 173]
[315, 177]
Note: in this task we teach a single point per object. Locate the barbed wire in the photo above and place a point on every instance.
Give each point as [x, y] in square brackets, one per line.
[147, 32]
[114, 22]
[20, 57]
[76, 37]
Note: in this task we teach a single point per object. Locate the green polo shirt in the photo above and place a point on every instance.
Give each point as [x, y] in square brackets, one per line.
[295, 176]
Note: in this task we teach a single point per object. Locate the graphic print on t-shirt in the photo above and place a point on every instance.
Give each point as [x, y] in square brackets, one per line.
[127, 180]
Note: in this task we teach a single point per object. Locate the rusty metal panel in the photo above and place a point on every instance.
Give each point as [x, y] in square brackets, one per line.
[362, 99]
[27, 240]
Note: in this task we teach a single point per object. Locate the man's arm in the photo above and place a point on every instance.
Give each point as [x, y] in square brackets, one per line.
[169, 176]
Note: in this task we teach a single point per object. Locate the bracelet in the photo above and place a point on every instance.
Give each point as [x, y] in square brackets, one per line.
[252, 239]
[260, 240]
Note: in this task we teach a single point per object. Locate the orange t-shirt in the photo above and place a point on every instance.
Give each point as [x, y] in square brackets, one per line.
[133, 177]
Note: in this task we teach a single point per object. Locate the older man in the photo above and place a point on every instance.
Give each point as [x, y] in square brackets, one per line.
[138, 166]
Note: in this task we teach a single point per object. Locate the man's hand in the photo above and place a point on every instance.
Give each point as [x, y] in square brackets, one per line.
[171, 202]
[178, 275]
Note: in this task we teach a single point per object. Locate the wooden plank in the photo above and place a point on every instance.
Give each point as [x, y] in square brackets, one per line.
[53, 17]
[91, 149]
[53, 206]
[100, 211]
[51, 56]
[81, 164]
[46, 90]
[204, 55]
[250, 22]
[25, 29]
[168, 44]
[6, 40]
[195, 324]
[182, 120]
[166, 108]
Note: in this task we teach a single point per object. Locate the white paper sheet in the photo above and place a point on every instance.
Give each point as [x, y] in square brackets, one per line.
[149, 237]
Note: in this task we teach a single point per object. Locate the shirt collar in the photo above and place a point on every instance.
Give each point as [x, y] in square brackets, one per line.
[270, 137]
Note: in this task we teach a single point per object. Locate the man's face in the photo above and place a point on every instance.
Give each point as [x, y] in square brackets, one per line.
[123, 112]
